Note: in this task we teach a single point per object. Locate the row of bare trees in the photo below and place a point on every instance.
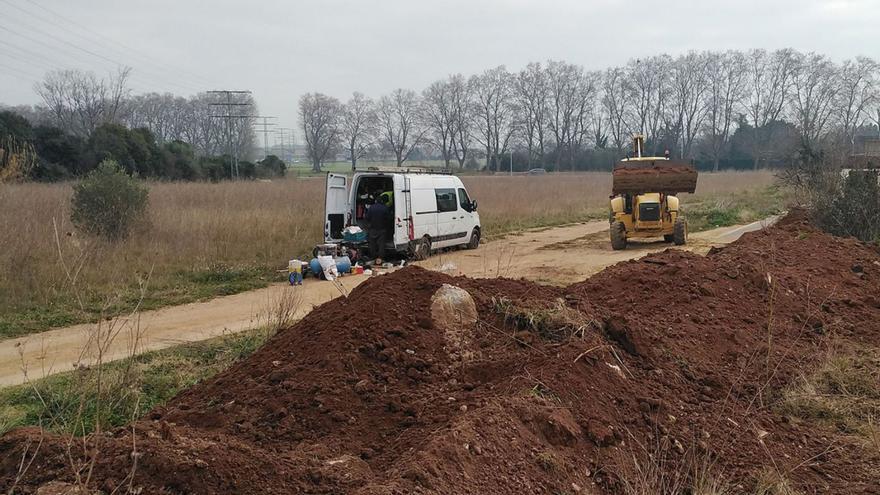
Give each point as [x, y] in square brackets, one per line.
[78, 102]
[196, 120]
[689, 105]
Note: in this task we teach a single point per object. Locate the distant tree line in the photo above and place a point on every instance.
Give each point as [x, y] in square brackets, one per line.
[729, 109]
[85, 120]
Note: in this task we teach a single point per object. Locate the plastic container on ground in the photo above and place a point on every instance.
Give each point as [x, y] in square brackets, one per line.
[343, 264]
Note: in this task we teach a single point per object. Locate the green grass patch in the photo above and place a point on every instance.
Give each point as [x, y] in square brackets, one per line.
[181, 287]
[734, 209]
[72, 402]
[496, 228]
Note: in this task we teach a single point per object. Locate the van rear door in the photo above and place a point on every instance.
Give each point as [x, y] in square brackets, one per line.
[336, 207]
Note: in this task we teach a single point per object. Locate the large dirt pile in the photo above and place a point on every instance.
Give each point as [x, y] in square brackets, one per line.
[665, 363]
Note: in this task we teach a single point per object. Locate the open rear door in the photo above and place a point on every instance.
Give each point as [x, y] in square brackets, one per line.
[336, 207]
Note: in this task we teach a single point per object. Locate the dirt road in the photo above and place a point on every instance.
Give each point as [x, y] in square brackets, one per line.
[559, 255]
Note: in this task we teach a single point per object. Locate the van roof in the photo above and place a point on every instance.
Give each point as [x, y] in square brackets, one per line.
[389, 174]
[407, 170]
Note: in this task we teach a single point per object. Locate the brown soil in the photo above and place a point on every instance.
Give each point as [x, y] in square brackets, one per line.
[679, 359]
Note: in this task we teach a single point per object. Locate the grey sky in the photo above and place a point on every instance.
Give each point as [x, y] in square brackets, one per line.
[281, 49]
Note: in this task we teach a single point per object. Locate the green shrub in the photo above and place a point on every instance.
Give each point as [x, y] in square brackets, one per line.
[853, 208]
[107, 202]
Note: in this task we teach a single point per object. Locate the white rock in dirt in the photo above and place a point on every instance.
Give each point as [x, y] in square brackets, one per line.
[454, 312]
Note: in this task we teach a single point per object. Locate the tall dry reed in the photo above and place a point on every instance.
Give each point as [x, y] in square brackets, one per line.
[206, 226]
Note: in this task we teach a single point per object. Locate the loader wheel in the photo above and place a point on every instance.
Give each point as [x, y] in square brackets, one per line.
[421, 249]
[475, 240]
[679, 232]
[668, 237]
[618, 236]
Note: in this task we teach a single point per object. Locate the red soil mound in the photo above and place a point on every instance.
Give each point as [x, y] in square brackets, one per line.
[674, 356]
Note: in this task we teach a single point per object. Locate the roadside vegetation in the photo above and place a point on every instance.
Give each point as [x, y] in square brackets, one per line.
[76, 403]
[735, 208]
[202, 240]
[842, 392]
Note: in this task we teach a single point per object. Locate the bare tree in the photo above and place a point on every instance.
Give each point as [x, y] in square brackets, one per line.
[858, 86]
[531, 92]
[815, 84]
[726, 76]
[398, 115]
[165, 115]
[199, 128]
[79, 101]
[439, 113]
[571, 94]
[769, 85]
[614, 102]
[319, 117]
[687, 88]
[460, 100]
[587, 121]
[493, 112]
[358, 126]
[874, 113]
[647, 81]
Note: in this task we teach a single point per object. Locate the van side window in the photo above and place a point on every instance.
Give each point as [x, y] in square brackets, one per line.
[446, 200]
[463, 199]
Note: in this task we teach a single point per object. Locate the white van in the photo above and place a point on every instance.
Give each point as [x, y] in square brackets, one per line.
[430, 211]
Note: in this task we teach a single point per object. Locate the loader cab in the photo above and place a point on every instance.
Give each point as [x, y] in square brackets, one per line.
[428, 211]
[649, 209]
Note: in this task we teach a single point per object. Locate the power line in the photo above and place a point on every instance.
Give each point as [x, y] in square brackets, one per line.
[84, 50]
[87, 39]
[24, 60]
[48, 61]
[119, 47]
[20, 73]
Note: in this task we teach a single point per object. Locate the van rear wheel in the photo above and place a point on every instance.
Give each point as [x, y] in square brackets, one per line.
[475, 240]
[421, 249]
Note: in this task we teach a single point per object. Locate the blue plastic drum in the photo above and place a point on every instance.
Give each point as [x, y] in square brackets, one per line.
[315, 267]
[343, 264]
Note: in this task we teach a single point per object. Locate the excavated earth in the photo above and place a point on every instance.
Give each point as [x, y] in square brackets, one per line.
[654, 365]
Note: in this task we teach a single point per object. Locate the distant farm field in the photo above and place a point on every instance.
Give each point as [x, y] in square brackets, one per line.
[207, 239]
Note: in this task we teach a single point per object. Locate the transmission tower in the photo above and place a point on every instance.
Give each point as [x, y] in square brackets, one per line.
[265, 131]
[229, 117]
[284, 132]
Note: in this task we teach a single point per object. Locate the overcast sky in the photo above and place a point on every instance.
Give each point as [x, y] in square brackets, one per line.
[281, 49]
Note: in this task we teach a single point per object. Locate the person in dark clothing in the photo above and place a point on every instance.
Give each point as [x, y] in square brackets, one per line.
[377, 218]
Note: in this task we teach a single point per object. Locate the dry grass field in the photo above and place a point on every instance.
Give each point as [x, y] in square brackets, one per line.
[205, 239]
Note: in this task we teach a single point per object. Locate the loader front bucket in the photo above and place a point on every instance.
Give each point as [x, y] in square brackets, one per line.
[660, 175]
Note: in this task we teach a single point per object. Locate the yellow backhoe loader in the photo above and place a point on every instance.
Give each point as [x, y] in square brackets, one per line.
[644, 201]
